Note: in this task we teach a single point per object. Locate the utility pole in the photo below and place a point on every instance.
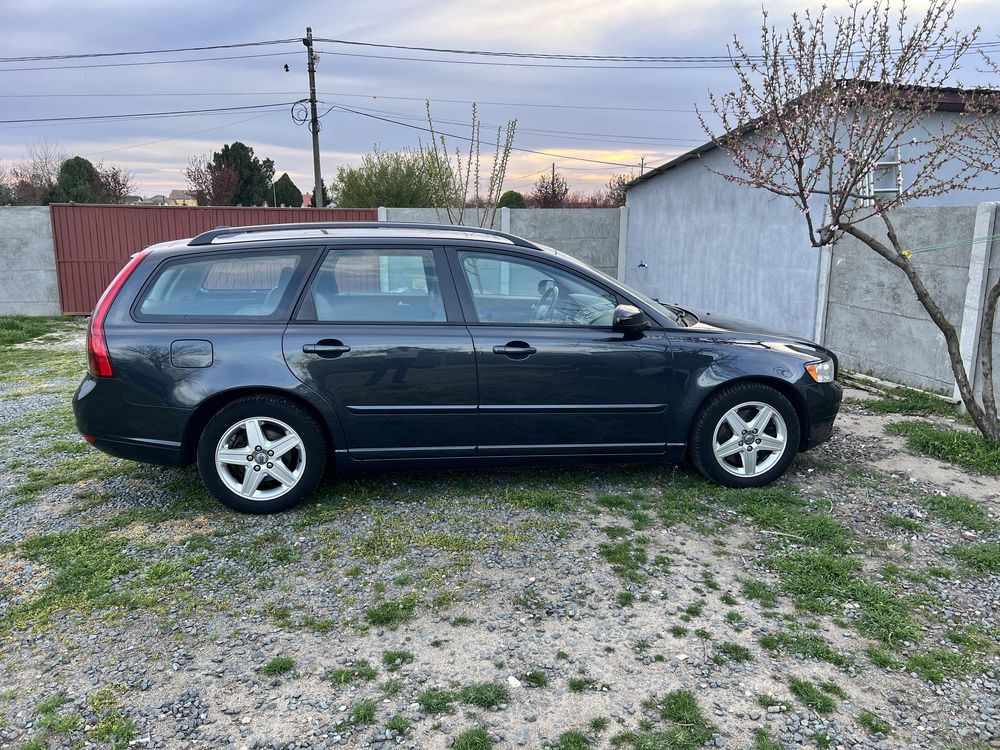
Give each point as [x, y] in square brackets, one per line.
[314, 118]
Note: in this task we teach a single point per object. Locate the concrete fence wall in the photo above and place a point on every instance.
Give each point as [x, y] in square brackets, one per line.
[596, 236]
[27, 262]
[873, 319]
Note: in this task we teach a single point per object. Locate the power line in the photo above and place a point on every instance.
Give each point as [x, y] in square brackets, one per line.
[264, 43]
[146, 62]
[571, 134]
[352, 95]
[342, 108]
[143, 115]
[727, 59]
[564, 66]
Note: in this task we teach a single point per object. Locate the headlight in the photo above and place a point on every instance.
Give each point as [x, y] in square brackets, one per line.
[822, 371]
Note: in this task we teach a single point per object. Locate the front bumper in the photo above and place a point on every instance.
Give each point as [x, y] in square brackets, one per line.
[822, 406]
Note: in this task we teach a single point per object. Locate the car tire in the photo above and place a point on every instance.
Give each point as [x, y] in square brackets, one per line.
[262, 454]
[744, 435]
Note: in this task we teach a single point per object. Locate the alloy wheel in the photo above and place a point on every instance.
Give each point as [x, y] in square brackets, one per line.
[260, 458]
[750, 439]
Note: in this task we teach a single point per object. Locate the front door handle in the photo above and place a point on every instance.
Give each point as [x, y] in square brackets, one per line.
[515, 350]
[328, 348]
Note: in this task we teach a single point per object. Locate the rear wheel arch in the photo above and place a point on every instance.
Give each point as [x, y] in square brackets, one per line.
[211, 406]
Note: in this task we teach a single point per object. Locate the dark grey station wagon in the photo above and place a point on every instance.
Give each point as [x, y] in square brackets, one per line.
[267, 353]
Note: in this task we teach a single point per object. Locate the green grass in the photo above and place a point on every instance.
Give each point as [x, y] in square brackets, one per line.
[686, 726]
[822, 582]
[395, 660]
[599, 724]
[908, 401]
[963, 447]
[16, 329]
[678, 631]
[626, 559]
[536, 499]
[759, 591]
[906, 524]
[962, 511]
[811, 696]
[535, 678]
[873, 722]
[936, 664]
[361, 670]
[735, 652]
[435, 701]
[579, 684]
[625, 598]
[881, 658]
[983, 557]
[804, 644]
[476, 738]
[279, 665]
[762, 741]
[485, 695]
[399, 724]
[363, 712]
[392, 614]
[572, 740]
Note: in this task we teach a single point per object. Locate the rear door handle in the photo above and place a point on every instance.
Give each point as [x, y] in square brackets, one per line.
[328, 348]
[515, 350]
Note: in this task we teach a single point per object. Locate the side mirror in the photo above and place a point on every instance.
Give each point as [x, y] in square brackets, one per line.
[629, 318]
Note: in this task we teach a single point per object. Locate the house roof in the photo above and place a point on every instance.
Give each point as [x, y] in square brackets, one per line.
[949, 99]
[176, 195]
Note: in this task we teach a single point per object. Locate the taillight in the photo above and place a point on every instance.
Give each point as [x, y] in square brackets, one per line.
[97, 344]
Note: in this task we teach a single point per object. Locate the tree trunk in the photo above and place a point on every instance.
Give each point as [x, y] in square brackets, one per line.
[987, 423]
[986, 358]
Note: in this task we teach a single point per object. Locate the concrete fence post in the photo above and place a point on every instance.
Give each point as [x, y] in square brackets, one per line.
[382, 214]
[975, 290]
[622, 241]
[822, 291]
[505, 219]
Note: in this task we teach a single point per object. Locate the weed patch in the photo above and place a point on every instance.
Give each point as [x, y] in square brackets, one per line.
[962, 447]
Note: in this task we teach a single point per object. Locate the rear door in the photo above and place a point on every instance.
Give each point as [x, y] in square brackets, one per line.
[554, 378]
[379, 334]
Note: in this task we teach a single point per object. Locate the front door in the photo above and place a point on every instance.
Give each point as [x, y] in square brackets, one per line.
[554, 378]
[379, 334]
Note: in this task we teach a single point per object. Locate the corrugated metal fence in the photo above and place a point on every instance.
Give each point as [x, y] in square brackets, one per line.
[93, 242]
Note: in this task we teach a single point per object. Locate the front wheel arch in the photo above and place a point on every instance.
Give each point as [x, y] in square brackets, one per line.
[783, 387]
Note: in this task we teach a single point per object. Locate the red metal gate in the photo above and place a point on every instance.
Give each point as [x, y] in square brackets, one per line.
[93, 242]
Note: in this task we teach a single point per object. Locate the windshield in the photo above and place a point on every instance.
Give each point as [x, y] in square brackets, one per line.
[670, 310]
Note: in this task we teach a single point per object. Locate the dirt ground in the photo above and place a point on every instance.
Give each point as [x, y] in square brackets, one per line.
[634, 607]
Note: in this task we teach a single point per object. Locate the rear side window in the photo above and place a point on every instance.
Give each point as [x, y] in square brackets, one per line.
[224, 286]
[376, 286]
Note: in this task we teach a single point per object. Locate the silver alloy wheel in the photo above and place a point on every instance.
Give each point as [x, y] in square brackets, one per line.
[750, 439]
[260, 458]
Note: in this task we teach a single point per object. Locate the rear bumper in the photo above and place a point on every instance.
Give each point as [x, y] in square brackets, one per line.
[111, 424]
[823, 404]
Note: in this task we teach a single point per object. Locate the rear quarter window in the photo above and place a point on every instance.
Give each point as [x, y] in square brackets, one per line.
[223, 286]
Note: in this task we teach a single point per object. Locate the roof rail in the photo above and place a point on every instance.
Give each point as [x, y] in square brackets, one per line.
[207, 238]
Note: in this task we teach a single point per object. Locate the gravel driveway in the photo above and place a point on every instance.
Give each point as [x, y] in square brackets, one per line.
[854, 605]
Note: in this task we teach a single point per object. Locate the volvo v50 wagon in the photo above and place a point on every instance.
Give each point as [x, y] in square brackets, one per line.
[266, 354]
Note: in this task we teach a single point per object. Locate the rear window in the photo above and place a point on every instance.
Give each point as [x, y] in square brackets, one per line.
[225, 286]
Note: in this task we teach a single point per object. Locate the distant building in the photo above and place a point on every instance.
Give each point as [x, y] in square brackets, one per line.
[181, 198]
[307, 199]
[156, 200]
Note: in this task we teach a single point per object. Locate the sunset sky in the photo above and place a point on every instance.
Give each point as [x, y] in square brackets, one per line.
[622, 114]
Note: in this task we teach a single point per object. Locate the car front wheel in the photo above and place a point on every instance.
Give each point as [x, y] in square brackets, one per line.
[261, 454]
[745, 435]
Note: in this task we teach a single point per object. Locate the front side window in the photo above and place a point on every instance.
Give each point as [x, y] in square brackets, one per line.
[225, 286]
[376, 286]
[517, 291]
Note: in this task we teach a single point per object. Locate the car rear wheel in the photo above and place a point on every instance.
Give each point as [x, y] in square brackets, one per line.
[745, 435]
[261, 454]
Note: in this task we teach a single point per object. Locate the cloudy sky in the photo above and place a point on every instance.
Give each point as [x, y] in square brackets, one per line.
[621, 115]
